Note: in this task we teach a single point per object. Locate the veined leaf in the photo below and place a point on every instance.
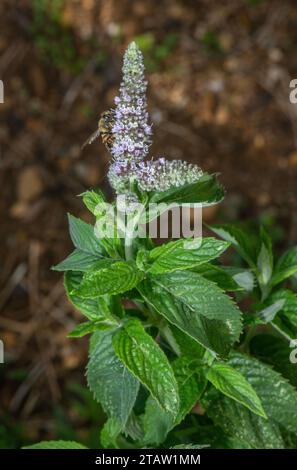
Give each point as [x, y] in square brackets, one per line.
[78, 261]
[243, 277]
[109, 433]
[83, 236]
[109, 380]
[144, 358]
[215, 438]
[268, 313]
[191, 384]
[278, 397]
[117, 277]
[286, 317]
[207, 191]
[196, 306]
[134, 428]
[228, 279]
[238, 423]
[187, 345]
[245, 243]
[91, 326]
[93, 309]
[285, 267]
[91, 200]
[157, 423]
[184, 254]
[232, 383]
[276, 352]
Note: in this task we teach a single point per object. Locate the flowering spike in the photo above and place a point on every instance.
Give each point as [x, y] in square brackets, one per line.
[162, 174]
[132, 132]
[132, 138]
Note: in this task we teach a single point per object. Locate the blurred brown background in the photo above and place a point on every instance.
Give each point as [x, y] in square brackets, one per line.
[219, 76]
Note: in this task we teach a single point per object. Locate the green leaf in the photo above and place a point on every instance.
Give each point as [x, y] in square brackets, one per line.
[144, 358]
[276, 352]
[268, 313]
[215, 438]
[286, 317]
[191, 381]
[115, 278]
[134, 428]
[83, 236]
[109, 434]
[109, 380]
[285, 267]
[191, 384]
[93, 309]
[187, 345]
[184, 254]
[105, 223]
[91, 200]
[243, 277]
[156, 423]
[207, 191]
[56, 445]
[231, 383]
[196, 306]
[78, 261]
[265, 258]
[278, 397]
[245, 243]
[229, 279]
[89, 327]
[237, 422]
[290, 440]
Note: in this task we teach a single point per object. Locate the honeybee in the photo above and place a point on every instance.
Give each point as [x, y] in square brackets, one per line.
[105, 125]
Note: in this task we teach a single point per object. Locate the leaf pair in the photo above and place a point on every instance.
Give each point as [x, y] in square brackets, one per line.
[122, 359]
[192, 383]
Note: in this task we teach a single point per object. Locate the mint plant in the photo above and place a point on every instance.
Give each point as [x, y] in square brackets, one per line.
[173, 359]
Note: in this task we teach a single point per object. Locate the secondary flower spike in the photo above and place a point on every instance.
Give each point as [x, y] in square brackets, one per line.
[132, 131]
[162, 174]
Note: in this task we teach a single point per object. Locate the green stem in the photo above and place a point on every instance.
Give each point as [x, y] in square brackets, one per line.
[129, 237]
[128, 248]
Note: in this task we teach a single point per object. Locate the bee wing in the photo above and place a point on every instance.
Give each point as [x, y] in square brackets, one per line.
[91, 139]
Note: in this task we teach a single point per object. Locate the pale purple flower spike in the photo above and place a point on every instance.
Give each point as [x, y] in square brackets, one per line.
[132, 138]
[132, 131]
